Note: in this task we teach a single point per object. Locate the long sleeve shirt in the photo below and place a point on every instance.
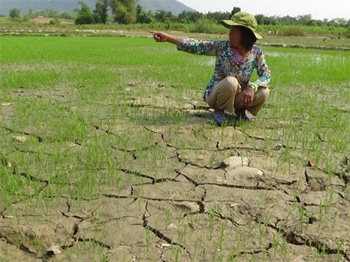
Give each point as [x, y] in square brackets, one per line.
[229, 62]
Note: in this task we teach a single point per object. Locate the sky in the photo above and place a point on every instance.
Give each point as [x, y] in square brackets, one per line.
[318, 9]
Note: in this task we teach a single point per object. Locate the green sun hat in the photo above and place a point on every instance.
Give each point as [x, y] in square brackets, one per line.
[243, 19]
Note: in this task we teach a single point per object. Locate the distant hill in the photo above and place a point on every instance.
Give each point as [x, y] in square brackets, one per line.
[67, 6]
[167, 5]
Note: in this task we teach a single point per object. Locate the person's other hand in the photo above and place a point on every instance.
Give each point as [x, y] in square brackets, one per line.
[248, 96]
[159, 36]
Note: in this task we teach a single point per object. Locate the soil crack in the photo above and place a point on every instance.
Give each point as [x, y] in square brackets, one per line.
[20, 246]
[242, 253]
[153, 180]
[135, 150]
[155, 132]
[10, 130]
[159, 234]
[299, 240]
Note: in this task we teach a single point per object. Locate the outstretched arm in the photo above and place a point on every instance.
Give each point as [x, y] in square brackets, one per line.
[189, 45]
[164, 37]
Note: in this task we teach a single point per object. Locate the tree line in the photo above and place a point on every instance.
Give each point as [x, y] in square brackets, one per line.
[129, 12]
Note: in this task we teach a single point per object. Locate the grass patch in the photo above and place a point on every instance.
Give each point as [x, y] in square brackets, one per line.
[108, 146]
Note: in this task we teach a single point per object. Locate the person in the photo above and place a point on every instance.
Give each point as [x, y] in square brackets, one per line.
[230, 89]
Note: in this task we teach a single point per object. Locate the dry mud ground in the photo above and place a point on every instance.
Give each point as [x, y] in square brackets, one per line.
[188, 192]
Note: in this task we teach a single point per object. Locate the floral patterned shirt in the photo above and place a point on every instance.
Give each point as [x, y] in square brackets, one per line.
[229, 62]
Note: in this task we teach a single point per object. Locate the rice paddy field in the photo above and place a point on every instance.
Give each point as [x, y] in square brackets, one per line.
[108, 153]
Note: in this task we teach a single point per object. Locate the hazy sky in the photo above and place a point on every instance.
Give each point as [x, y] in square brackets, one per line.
[318, 9]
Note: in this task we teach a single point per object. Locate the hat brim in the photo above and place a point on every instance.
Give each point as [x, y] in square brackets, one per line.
[229, 23]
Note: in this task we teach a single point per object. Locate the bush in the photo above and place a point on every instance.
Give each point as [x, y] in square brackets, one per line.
[87, 19]
[55, 21]
[292, 31]
[347, 33]
[202, 26]
[85, 15]
[67, 16]
[15, 13]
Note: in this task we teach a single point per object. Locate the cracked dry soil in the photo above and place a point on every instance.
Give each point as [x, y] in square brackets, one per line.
[180, 195]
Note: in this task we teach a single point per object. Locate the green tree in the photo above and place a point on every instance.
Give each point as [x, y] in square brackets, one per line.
[189, 16]
[347, 33]
[51, 13]
[340, 22]
[235, 10]
[101, 11]
[162, 16]
[67, 16]
[30, 13]
[15, 13]
[263, 20]
[288, 20]
[142, 17]
[218, 16]
[303, 19]
[85, 15]
[124, 11]
[314, 22]
[203, 25]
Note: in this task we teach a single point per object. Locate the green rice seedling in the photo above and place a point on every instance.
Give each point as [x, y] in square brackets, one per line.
[76, 113]
[221, 236]
[339, 248]
[302, 217]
